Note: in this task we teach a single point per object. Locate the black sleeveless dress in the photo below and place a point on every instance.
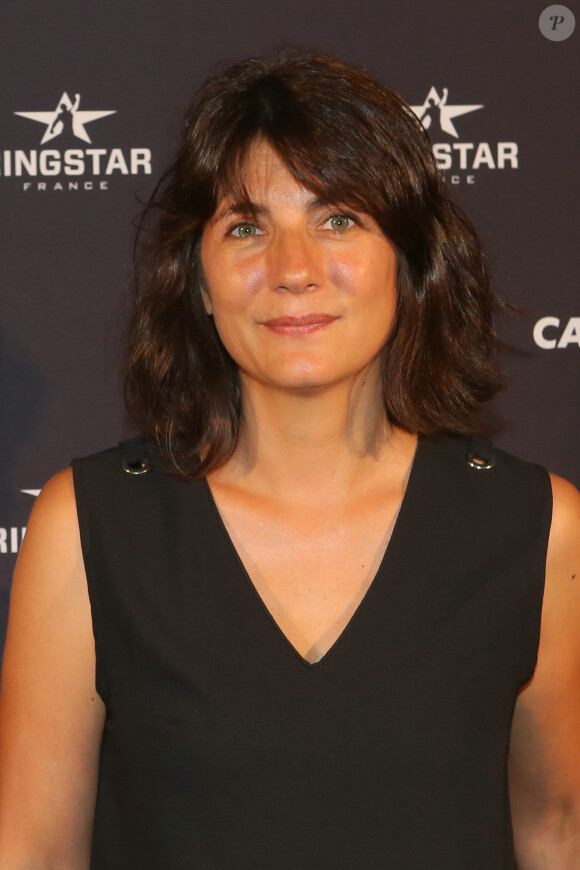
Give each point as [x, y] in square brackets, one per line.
[223, 748]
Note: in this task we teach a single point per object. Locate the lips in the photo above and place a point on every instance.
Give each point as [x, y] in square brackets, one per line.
[301, 325]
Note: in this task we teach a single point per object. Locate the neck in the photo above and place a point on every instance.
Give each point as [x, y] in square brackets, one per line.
[301, 442]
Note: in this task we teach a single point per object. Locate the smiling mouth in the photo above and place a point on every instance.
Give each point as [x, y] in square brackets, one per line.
[301, 325]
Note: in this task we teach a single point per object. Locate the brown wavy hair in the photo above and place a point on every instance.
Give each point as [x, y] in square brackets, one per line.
[351, 141]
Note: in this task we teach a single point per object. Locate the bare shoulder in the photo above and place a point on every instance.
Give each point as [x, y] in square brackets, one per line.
[57, 499]
[559, 647]
[51, 717]
[49, 604]
[555, 684]
[51, 556]
[56, 503]
[544, 749]
[560, 637]
[565, 530]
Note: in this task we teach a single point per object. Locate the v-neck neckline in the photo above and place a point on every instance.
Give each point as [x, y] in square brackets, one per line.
[400, 521]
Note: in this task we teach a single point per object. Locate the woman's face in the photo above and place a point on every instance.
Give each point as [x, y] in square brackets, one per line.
[302, 292]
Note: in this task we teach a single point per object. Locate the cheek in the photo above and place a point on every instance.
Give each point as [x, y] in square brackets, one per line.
[373, 281]
[231, 288]
[231, 336]
[231, 280]
[231, 293]
[344, 275]
[251, 279]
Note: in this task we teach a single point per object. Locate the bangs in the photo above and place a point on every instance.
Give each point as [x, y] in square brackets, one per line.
[322, 173]
[319, 145]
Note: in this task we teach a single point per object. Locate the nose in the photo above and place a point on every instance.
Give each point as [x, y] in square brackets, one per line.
[296, 262]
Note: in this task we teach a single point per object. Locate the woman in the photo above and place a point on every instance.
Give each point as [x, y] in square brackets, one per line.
[315, 603]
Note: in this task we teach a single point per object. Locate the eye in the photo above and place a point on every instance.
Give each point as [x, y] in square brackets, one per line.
[244, 230]
[340, 222]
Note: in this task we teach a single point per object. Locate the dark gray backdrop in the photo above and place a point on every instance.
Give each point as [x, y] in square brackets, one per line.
[64, 269]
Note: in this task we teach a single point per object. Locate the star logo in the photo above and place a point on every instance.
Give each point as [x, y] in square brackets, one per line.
[436, 104]
[66, 116]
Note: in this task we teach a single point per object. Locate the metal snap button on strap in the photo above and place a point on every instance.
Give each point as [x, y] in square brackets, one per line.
[139, 467]
[134, 458]
[480, 454]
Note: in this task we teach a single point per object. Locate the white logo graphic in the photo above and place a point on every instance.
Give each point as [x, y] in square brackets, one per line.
[33, 492]
[560, 338]
[67, 169]
[437, 116]
[435, 110]
[66, 116]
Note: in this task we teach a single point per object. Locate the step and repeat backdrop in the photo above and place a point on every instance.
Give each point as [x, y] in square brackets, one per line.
[90, 104]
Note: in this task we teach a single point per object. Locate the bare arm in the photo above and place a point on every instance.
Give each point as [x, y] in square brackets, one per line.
[545, 743]
[51, 717]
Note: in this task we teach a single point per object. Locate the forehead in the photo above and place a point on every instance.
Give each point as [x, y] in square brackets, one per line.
[265, 179]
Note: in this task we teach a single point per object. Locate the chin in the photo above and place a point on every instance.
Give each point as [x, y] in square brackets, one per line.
[304, 381]
[303, 374]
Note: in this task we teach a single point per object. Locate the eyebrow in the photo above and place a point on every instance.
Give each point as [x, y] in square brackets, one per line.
[240, 208]
[249, 208]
